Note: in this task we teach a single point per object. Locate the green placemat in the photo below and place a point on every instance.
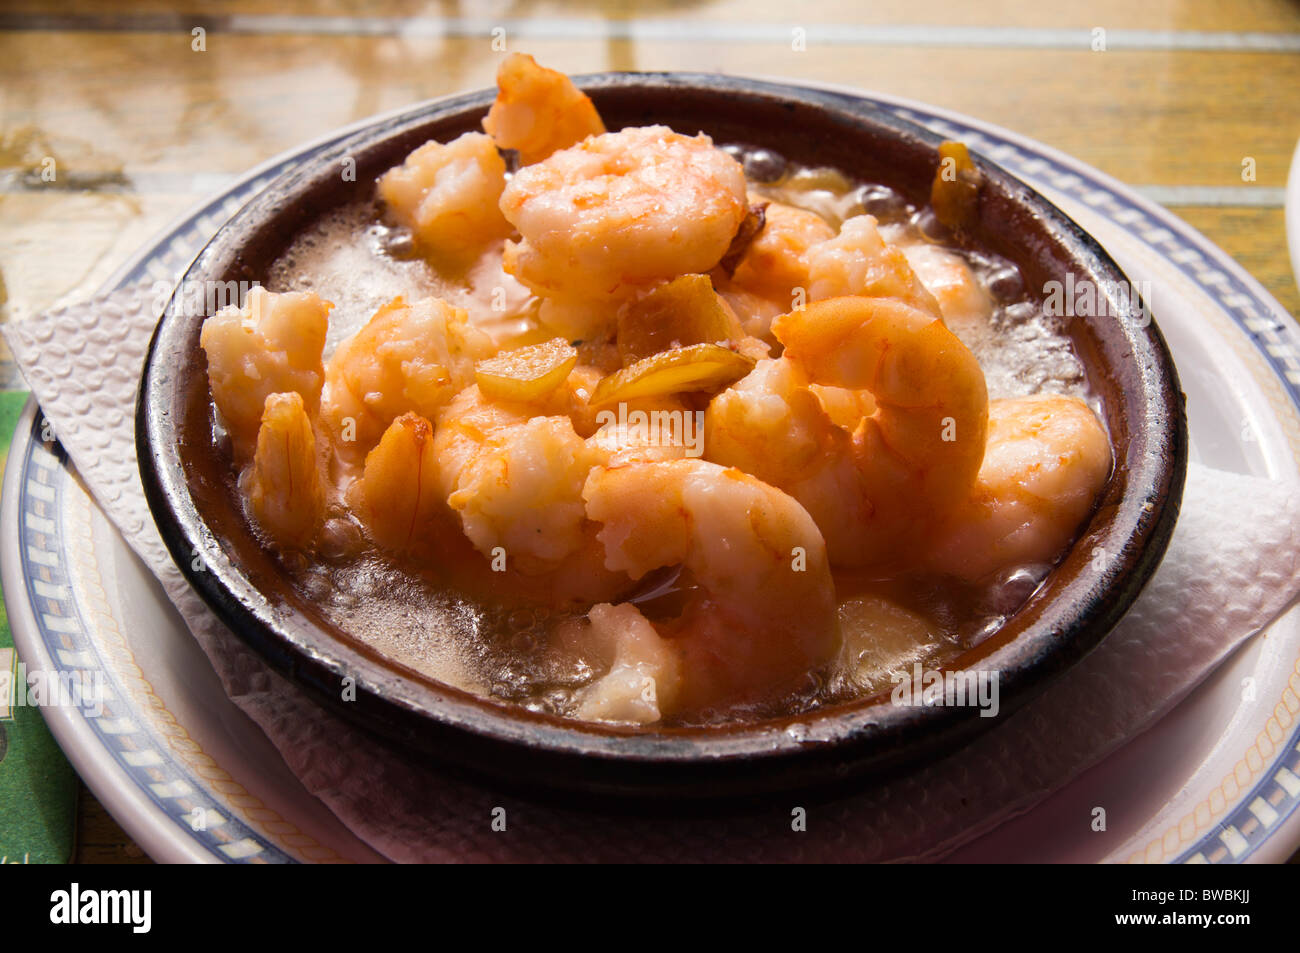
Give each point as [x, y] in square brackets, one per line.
[38, 788]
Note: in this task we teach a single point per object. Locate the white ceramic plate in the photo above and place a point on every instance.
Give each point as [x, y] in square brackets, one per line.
[1217, 780]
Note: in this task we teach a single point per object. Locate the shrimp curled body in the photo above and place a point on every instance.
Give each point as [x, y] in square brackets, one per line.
[876, 487]
[272, 345]
[408, 358]
[764, 614]
[283, 484]
[616, 212]
[538, 111]
[1047, 460]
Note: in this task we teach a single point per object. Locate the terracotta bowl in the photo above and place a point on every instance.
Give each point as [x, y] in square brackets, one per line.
[1127, 361]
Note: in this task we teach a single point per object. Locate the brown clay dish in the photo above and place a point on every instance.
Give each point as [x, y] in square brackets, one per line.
[1126, 359]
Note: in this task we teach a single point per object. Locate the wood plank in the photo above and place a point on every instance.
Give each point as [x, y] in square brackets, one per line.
[1148, 118]
[1200, 15]
[100, 839]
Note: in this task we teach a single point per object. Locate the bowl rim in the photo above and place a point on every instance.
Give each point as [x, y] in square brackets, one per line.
[470, 729]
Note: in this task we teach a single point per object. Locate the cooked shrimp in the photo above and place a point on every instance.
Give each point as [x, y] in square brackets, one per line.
[844, 406]
[514, 479]
[1047, 459]
[616, 211]
[763, 617]
[522, 492]
[964, 304]
[776, 262]
[463, 426]
[399, 498]
[512, 474]
[643, 672]
[271, 345]
[538, 110]
[448, 195]
[771, 424]
[647, 433]
[470, 419]
[874, 487]
[858, 261]
[284, 485]
[407, 358]
[513, 470]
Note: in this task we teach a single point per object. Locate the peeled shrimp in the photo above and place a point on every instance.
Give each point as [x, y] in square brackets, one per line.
[643, 434]
[447, 194]
[271, 345]
[407, 358]
[858, 261]
[798, 258]
[522, 492]
[1046, 461]
[643, 677]
[463, 426]
[763, 617]
[616, 211]
[514, 477]
[873, 488]
[511, 474]
[538, 111]
[514, 471]
[776, 262]
[398, 495]
[771, 424]
[964, 304]
[284, 485]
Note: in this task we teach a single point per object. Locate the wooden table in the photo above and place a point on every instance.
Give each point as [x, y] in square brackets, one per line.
[141, 119]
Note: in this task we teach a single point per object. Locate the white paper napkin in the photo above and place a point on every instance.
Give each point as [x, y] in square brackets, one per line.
[1232, 567]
